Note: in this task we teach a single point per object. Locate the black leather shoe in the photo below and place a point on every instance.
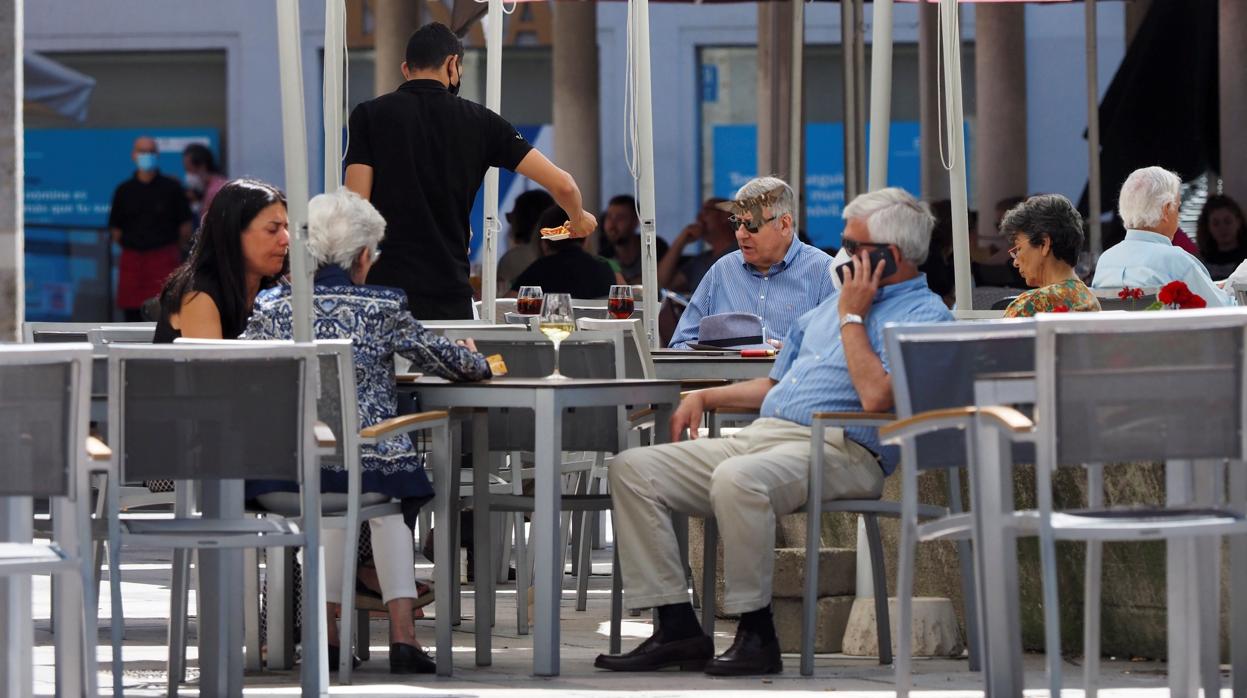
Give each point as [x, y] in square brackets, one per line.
[335, 655]
[749, 655]
[690, 654]
[409, 659]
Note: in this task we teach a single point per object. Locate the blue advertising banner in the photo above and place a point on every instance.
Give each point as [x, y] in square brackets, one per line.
[510, 185]
[70, 178]
[735, 162]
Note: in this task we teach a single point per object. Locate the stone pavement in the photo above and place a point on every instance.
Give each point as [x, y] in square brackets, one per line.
[146, 594]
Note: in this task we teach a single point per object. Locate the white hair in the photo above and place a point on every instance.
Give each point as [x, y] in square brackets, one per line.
[340, 225]
[894, 216]
[1144, 195]
[786, 203]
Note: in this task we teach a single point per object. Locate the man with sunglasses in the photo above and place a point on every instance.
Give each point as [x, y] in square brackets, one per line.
[832, 361]
[772, 275]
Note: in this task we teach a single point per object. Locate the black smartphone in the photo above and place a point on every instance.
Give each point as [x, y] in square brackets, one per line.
[875, 255]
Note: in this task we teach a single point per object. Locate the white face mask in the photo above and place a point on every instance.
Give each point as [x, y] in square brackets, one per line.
[842, 257]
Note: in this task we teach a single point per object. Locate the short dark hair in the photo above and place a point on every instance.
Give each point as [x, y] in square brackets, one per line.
[1051, 217]
[528, 208]
[200, 156]
[430, 45]
[622, 200]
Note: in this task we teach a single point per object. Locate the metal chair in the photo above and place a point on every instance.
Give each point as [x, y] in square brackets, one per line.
[1110, 299]
[57, 332]
[44, 393]
[219, 414]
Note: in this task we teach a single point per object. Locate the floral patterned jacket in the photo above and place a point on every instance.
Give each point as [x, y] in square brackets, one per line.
[377, 322]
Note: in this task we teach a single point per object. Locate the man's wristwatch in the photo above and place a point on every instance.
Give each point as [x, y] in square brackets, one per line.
[851, 319]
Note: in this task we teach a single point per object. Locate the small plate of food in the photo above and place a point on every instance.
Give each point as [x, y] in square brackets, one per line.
[560, 233]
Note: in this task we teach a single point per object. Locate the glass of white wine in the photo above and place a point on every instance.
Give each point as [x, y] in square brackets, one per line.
[557, 323]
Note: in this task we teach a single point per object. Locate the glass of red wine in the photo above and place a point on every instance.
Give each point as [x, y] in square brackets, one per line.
[619, 303]
[529, 300]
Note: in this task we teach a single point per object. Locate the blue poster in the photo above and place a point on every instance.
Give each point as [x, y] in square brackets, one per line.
[506, 180]
[735, 162]
[70, 178]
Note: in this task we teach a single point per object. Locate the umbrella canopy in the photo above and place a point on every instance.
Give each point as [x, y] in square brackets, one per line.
[55, 87]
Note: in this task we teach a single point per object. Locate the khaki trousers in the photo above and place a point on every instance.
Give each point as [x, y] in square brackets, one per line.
[744, 481]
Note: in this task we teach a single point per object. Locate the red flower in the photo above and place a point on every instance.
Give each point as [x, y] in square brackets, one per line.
[1060, 309]
[1176, 294]
[1128, 293]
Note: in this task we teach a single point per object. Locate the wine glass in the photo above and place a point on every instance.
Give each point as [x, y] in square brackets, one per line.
[529, 300]
[557, 324]
[619, 303]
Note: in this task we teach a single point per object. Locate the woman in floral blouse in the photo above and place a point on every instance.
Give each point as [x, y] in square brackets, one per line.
[343, 233]
[1046, 234]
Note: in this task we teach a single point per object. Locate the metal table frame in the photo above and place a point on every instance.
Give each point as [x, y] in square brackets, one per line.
[547, 399]
[679, 364]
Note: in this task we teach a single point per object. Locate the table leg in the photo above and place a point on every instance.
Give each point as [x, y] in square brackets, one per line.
[1182, 609]
[16, 626]
[445, 491]
[481, 544]
[1002, 664]
[548, 567]
[220, 574]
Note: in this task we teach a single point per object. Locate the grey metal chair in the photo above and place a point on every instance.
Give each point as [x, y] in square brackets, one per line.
[217, 415]
[1110, 299]
[58, 332]
[44, 393]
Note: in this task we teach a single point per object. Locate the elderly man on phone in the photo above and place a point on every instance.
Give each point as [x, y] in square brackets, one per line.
[832, 360]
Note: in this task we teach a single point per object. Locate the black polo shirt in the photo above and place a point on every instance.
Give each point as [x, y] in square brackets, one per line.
[429, 151]
[569, 270]
[149, 214]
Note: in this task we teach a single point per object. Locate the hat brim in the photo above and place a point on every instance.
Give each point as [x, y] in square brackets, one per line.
[737, 347]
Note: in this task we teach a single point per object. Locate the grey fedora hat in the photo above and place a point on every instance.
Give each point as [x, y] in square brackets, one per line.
[730, 331]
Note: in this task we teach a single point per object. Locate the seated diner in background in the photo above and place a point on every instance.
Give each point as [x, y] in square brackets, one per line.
[1149, 203]
[240, 250]
[344, 232]
[1046, 236]
[566, 266]
[773, 275]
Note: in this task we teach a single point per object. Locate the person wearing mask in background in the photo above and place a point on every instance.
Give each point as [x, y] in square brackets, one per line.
[623, 239]
[773, 275]
[712, 227]
[419, 154]
[566, 266]
[1149, 204]
[1222, 235]
[150, 219]
[523, 248]
[203, 178]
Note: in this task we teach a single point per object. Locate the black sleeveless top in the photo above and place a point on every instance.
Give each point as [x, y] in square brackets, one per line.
[203, 283]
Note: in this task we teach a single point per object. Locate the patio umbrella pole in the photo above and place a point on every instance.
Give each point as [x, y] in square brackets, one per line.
[493, 102]
[1094, 202]
[954, 124]
[332, 97]
[294, 145]
[796, 130]
[880, 94]
[645, 155]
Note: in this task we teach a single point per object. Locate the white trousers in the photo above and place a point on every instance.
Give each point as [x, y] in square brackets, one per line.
[393, 545]
[744, 481]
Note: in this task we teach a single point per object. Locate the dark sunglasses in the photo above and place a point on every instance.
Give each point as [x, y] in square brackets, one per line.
[751, 226]
[852, 246]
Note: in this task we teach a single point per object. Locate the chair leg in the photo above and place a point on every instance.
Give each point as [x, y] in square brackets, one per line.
[1051, 610]
[1238, 580]
[883, 625]
[616, 605]
[117, 623]
[347, 637]
[904, 601]
[251, 612]
[1091, 618]
[522, 572]
[363, 634]
[709, 558]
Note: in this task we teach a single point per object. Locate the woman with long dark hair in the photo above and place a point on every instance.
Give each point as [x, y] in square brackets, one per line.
[241, 249]
[1221, 233]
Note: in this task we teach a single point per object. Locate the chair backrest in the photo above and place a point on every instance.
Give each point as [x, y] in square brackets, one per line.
[1240, 292]
[986, 297]
[634, 354]
[337, 402]
[934, 366]
[101, 337]
[210, 411]
[60, 332]
[1146, 386]
[1110, 299]
[582, 355]
[44, 394]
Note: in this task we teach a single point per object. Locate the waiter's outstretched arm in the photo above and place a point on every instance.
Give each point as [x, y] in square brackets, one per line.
[359, 180]
[562, 187]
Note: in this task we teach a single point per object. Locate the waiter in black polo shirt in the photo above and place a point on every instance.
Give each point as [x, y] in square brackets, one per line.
[151, 219]
[419, 155]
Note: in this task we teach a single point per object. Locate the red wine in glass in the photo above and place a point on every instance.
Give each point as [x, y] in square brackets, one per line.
[620, 308]
[528, 306]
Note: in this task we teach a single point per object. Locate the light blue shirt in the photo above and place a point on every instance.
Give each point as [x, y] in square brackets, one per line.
[788, 290]
[1150, 260]
[811, 373]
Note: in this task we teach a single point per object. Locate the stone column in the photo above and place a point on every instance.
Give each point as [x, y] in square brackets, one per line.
[12, 248]
[577, 121]
[1232, 64]
[393, 23]
[934, 178]
[774, 88]
[1000, 140]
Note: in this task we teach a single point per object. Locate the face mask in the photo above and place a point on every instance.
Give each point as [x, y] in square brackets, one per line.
[146, 161]
[842, 257]
[193, 181]
[453, 87]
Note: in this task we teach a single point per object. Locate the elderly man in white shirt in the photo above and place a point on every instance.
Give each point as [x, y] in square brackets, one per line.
[1149, 204]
